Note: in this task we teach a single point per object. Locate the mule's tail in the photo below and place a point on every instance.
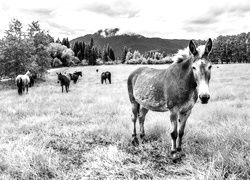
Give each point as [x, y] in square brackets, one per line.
[20, 86]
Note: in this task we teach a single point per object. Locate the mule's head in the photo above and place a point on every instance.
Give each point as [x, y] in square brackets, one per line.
[202, 68]
[59, 76]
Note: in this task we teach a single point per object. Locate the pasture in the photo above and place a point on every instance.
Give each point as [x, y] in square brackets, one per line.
[87, 133]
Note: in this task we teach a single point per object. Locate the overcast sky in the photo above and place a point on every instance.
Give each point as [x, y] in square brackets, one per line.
[170, 19]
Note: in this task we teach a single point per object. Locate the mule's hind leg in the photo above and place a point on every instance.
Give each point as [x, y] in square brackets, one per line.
[135, 110]
[182, 123]
[173, 119]
[142, 114]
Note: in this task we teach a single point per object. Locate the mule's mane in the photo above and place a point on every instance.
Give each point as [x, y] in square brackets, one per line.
[185, 53]
[182, 55]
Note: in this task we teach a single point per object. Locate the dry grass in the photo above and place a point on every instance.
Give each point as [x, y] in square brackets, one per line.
[86, 133]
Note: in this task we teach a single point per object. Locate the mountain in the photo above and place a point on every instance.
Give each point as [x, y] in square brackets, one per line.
[135, 42]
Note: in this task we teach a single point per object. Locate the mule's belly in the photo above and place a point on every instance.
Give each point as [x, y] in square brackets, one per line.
[153, 106]
[151, 97]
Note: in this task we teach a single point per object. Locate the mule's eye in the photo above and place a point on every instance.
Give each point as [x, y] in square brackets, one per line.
[209, 67]
[194, 68]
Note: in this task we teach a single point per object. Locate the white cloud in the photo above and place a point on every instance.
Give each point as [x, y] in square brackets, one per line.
[178, 19]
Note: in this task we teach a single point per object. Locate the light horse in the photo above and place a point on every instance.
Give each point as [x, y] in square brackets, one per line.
[23, 81]
[176, 89]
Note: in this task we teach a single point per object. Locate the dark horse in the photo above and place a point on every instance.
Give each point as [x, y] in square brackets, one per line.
[74, 77]
[22, 82]
[78, 73]
[176, 89]
[106, 75]
[32, 81]
[64, 80]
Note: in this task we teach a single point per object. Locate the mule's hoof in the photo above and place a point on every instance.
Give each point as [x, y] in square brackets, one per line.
[177, 157]
[135, 141]
[179, 149]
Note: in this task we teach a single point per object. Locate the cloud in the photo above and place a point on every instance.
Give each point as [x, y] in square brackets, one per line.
[116, 9]
[225, 11]
[38, 12]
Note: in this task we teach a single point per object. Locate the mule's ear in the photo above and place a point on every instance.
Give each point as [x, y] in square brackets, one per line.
[208, 46]
[192, 48]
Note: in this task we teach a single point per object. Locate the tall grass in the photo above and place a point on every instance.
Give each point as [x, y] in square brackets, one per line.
[86, 133]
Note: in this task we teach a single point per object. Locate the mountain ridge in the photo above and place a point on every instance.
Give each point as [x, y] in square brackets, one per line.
[135, 42]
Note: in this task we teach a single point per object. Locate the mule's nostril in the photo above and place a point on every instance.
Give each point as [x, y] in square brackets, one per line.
[204, 98]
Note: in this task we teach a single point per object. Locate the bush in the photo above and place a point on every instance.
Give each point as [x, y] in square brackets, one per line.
[109, 63]
[84, 62]
[99, 61]
[75, 60]
[56, 62]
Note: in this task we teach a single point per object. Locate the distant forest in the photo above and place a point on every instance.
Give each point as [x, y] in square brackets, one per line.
[231, 49]
[34, 49]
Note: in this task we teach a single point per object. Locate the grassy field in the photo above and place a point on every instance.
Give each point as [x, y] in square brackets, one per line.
[86, 133]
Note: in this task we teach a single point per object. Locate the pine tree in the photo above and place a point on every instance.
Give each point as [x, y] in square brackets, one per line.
[111, 54]
[124, 53]
[76, 47]
[104, 55]
[91, 43]
[58, 41]
[92, 58]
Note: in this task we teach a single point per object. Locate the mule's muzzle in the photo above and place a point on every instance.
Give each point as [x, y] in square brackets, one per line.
[204, 98]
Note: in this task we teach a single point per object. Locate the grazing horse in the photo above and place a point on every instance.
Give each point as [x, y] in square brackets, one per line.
[74, 77]
[64, 80]
[106, 75]
[31, 81]
[175, 88]
[23, 81]
[78, 73]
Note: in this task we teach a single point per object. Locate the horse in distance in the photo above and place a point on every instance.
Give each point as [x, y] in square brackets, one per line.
[22, 82]
[64, 81]
[78, 73]
[175, 89]
[32, 81]
[106, 75]
[74, 77]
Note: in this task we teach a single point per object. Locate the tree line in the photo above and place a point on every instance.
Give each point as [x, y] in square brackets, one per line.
[34, 49]
[90, 53]
[231, 49]
[24, 50]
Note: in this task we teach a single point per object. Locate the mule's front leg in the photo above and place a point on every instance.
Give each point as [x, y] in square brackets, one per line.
[182, 123]
[27, 89]
[173, 119]
[62, 88]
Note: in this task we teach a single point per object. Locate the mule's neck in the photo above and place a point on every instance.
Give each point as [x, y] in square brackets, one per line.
[185, 70]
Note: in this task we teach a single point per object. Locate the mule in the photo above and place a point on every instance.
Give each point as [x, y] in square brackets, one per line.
[74, 77]
[106, 75]
[64, 81]
[175, 89]
[78, 73]
[22, 82]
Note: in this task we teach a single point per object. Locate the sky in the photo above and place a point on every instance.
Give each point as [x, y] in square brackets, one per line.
[168, 19]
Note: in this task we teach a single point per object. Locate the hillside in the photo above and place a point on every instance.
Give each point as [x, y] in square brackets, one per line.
[135, 42]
